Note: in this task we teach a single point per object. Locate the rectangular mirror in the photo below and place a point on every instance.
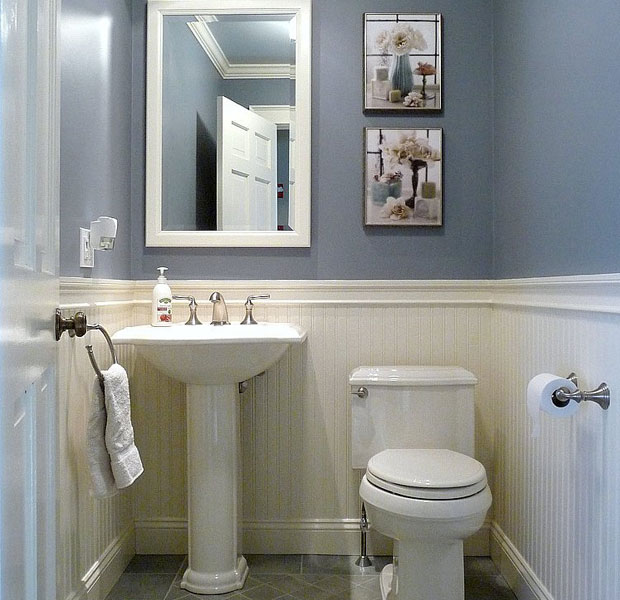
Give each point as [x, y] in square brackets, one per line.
[228, 123]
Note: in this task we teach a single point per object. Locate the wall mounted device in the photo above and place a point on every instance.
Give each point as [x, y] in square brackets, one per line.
[100, 236]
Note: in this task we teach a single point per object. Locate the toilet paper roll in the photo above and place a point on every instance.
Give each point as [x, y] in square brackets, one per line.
[539, 397]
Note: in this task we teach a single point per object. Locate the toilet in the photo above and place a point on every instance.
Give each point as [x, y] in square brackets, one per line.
[413, 432]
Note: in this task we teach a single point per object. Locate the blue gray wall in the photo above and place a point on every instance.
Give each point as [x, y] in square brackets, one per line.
[95, 129]
[557, 137]
[341, 247]
[556, 119]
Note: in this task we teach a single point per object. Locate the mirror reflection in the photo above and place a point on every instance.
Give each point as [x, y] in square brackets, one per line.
[228, 122]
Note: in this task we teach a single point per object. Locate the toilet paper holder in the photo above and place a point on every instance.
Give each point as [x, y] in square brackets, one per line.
[562, 396]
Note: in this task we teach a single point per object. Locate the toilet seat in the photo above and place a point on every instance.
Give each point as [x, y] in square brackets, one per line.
[426, 474]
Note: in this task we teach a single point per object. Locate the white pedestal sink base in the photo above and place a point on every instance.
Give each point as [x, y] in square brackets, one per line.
[211, 360]
[219, 583]
[215, 565]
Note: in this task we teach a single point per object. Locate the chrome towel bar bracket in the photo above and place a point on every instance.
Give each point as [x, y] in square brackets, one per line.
[601, 395]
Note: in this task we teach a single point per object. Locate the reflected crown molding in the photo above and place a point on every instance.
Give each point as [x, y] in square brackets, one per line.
[228, 70]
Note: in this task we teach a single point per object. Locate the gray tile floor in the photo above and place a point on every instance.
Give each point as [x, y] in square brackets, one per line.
[291, 577]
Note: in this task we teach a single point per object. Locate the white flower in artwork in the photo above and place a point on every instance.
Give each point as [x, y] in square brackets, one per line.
[401, 39]
[414, 99]
[405, 38]
[410, 148]
[391, 177]
[383, 41]
[395, 209]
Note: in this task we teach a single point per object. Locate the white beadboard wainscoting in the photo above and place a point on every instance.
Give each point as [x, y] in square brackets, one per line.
[95, 537]
[556, 498]
[555, 523]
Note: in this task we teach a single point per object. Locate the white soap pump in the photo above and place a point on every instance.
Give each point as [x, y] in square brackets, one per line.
[162, 301]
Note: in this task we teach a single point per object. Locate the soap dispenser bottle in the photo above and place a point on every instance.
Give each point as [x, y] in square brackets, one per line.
[162, 301]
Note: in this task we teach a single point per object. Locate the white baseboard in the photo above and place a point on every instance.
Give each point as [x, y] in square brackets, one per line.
[308, 536]
[105, 572]
[514, 568]
[161, 536]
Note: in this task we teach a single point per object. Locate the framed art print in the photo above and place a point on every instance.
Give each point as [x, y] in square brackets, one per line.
[402, 62]
[403, 181]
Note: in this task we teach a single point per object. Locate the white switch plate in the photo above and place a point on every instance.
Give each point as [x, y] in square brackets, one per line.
[87, 255]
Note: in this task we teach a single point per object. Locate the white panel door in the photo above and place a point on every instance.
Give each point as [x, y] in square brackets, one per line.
[246, 169]
[28, 296]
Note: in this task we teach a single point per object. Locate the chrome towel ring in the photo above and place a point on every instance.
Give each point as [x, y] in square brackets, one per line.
[91, 355]
[78, 326]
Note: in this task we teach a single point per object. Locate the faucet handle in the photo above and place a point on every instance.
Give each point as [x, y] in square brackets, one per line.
[257, 297]
[193, 319]
[249, 305]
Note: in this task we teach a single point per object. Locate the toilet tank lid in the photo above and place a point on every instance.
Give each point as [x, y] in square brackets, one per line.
[411, 375]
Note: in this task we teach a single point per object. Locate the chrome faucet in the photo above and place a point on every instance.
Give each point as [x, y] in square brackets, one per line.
[220, 312]
[249, 305]
[193, 319]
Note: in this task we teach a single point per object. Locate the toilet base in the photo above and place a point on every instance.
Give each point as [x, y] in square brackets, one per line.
[424, 571]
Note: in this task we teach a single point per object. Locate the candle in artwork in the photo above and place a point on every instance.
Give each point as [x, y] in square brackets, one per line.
[381, 73]
[394, 96]
[429, 189]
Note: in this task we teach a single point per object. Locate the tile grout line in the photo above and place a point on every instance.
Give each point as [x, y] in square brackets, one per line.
[182, 566]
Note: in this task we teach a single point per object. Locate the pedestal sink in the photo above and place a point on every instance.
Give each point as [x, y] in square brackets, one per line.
[212, 360]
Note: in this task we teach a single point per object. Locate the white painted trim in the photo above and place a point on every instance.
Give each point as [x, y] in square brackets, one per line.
[106, 570]
[303, 536]
[466, 293]
[220, 61]
[54, 129]
[588, 293]
[161, 536]
[155, 235]
[259, 71]
[514, 568]
[80, 293]
[209, 44]
[310, 536]
[280, 114]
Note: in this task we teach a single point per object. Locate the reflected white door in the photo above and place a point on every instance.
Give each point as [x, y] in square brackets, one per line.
[28, 296]
[246, 169]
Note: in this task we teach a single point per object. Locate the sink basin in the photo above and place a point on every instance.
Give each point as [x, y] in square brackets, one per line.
[210, 354]
[211, 360]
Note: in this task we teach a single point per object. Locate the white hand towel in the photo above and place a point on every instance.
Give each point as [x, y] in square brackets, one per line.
[101, 475]
[124, 456]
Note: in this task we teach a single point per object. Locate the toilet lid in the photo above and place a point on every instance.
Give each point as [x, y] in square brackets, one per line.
[438, 474]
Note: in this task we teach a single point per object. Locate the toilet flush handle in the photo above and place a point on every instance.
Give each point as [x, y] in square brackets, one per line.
[360, 392]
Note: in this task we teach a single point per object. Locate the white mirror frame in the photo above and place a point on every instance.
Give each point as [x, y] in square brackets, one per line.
[155, 235]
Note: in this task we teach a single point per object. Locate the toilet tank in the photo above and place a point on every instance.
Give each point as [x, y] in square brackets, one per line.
[411, 407]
